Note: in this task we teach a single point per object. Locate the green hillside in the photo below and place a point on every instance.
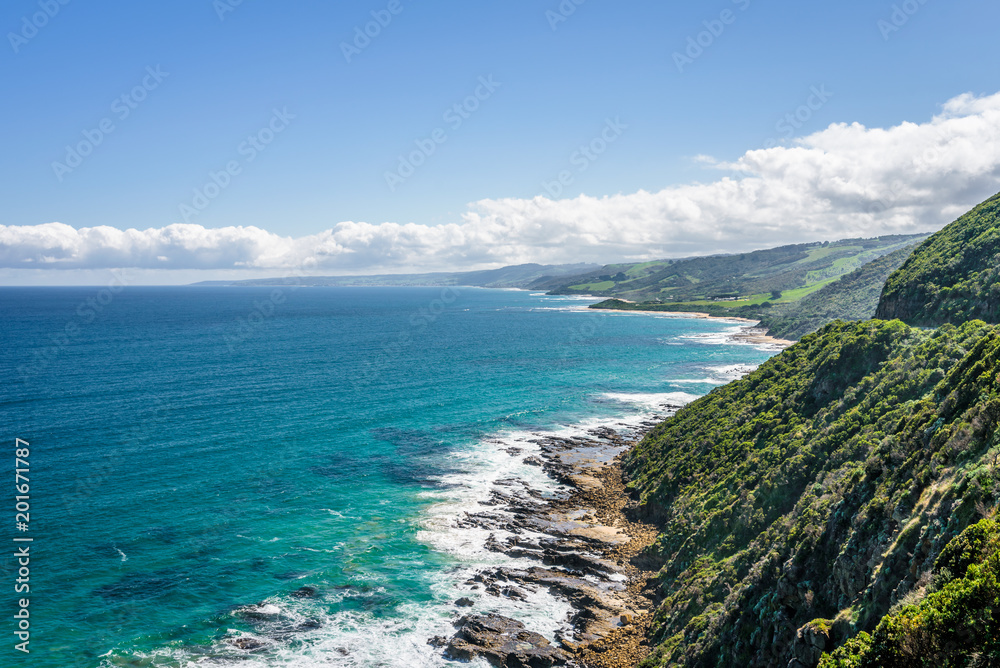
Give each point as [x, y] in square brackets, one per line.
[815, 494]
[746, 279]
[853, 296]
[818, 511]
[954, 276]
[954, 626]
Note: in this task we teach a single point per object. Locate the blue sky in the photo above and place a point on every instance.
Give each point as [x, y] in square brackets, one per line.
[226, 69]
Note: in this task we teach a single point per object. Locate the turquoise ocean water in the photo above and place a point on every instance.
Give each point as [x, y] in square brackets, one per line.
[199, 455]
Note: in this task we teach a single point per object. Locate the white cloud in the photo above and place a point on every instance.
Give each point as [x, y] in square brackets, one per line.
[844, 181]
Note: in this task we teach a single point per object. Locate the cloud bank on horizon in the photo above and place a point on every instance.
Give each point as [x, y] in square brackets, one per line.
[844, 181]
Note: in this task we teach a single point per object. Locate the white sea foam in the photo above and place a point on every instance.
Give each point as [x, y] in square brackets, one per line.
[731, 336]
[720, 338]
[359, 639]
[652, 400]
[335, 513]
[697, 381]
[354, 639]
[573, 308]
[730, 372]
[479, 470]
[719, 375]
[348, 639]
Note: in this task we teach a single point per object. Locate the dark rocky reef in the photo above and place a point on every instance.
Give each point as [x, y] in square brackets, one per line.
[586, 550]
[503, 642]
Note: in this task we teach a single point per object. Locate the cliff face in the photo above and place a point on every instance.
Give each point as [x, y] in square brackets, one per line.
[806, 509]
[954, 626]
[854, 296]
[801, 503]
[952, 277]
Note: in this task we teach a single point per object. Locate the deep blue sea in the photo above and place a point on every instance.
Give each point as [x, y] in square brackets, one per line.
[195, 451]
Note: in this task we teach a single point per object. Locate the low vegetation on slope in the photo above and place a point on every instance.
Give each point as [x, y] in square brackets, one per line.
[854, 296]
[956, 626]
[790, 315]
[954, 276]
[745, 279]
[803, 502]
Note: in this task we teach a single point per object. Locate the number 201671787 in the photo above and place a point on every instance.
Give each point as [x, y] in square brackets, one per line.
[21, 471]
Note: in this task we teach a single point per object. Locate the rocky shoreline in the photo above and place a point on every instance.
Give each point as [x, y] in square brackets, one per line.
[759, 336]
[750, 333]
[587, 549]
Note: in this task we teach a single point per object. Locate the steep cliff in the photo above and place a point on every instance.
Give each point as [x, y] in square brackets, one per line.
[854, 296]
[952, 277]
[955, 626]
[800, 504]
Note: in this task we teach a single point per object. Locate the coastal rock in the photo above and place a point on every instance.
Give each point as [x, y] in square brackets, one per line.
[259, 612]
[583, 542]
[810, 642]
[598, 605]
[247, 643]
[464, 602]
[307, 625]
[503, 642]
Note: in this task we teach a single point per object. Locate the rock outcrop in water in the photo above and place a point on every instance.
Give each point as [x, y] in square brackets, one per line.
[587, 553]
[503, 642]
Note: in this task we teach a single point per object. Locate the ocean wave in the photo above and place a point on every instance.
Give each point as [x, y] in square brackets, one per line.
[652, 400]
[733, 336]
[324, 631]
[696, 381]
[720, 338]
[731, 371]
[306, 635]
[563, 309]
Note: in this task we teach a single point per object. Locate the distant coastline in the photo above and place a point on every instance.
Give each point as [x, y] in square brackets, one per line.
[519, 277]
[750, 334]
